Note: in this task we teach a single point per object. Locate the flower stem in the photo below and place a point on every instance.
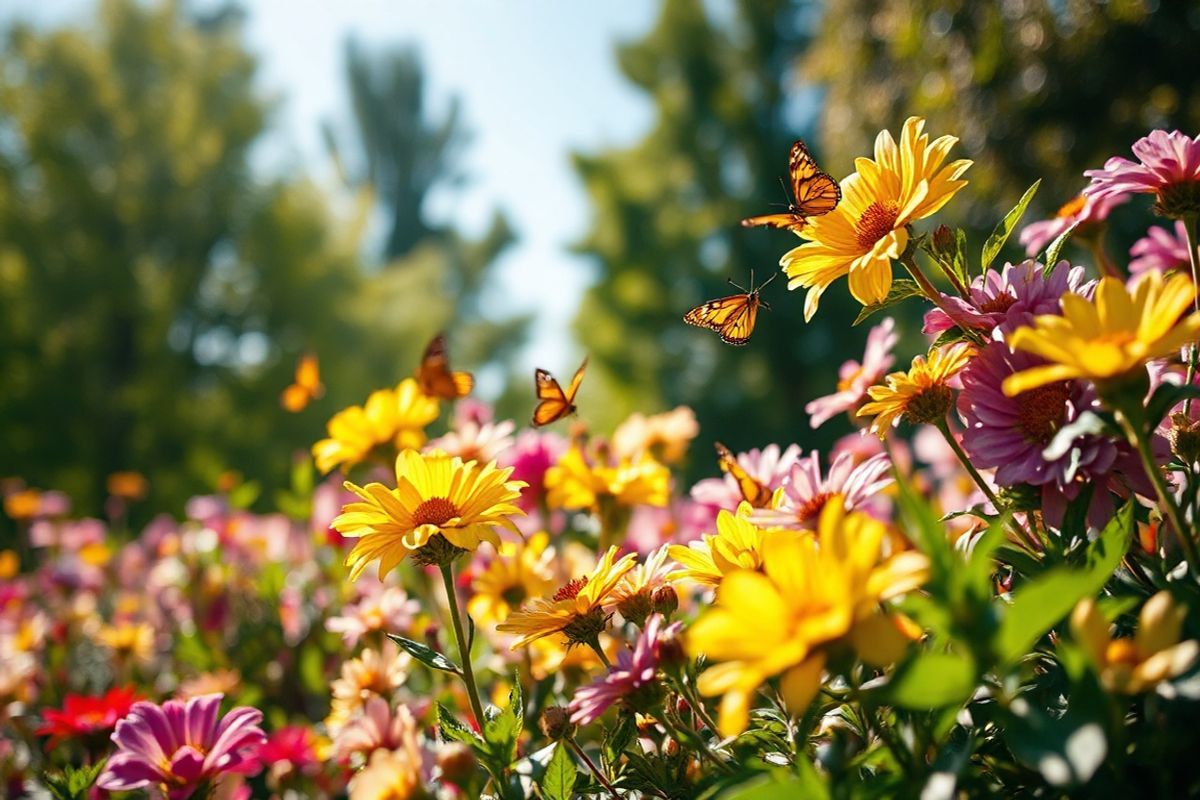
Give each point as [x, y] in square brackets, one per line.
[1191, 235]
[592, 766]
[464, 651]
[930, 291]
[1142, 444]
[594, 643]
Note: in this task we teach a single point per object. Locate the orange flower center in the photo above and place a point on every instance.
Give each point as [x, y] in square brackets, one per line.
[1072, 206]
[812, 508]
[848, 381]
[1041, 410]
[571, 590]
[876, 222]
[1121, 651]
[434, 511]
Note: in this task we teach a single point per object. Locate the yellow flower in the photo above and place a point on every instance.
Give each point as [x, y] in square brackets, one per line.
[129, 640]
[737, 545]
[1138, 664]
[389, 775]
[390, 416]
[666, 436]
[866, 232]
[435, 495]
[575, 483]
[577, 609]
[920, 395]
[812, 591]
[520, 571]
[1108, 338]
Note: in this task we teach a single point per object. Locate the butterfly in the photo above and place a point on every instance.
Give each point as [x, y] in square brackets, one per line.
[731, 317]
[435, 377]
[753, 492]
[814, 193]
[306, 385]
[553, 402]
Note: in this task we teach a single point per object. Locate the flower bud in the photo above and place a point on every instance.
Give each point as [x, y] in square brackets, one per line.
[1184, 437]
[556, 723]
[665, 600]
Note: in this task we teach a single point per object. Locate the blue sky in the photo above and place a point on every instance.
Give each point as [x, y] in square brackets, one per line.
[537, 78]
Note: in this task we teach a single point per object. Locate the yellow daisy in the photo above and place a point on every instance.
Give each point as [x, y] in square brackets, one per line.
[922, 394]
[866, 232]
[520, 571]
[737, 545]
[577, 483]
[812, 591]
[1110, 338]
[435, 495]
[578, 609]
[390, 416]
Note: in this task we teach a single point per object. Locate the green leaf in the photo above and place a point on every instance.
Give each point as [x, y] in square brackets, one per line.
[785, 786]
[1166, 397]
[932, 680]
[902, 288]
[995, 242]
[1066, 751]
[1050, 257]
[72, 783]
[1043, 602]
[559, 779]
[425, 654]
[617, 738]
[502, 729]
[245, 495]
[948, 336]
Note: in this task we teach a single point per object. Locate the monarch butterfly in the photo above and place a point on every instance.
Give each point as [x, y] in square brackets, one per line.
[731, 317]
[753, 492]
[814, 193]
[305, 387]
[553, 402]
[435, 377]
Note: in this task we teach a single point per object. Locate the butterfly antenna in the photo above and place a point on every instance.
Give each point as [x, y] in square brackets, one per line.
[786, 198]
[737, 286]
[767, 283]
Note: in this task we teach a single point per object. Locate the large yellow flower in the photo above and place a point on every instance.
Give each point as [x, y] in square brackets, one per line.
[577, 483]
[922, 394]
[1111, 337]
[737, 545]
[435, 495]
[578, 609]
[866, 232]
[812, 592]
[390, 416]
[520, 571]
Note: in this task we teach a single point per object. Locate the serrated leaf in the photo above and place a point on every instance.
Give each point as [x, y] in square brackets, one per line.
[559, 779]
[453, 729]
[932, 680]
[425, 654]
[503, 728]
[995, 243]
[902, 288]
[1050, 257]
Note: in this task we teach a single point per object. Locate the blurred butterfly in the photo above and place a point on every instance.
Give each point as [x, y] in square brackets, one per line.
[306, 386]
[435, 377]
[731, 317]
[814, 193]
[753, 492]
[553, 402]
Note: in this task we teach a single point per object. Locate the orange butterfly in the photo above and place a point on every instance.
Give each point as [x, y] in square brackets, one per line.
[306, 386]
[731, 317]
[814, 193]
[553, 402]
[435, 377]
[753, 492]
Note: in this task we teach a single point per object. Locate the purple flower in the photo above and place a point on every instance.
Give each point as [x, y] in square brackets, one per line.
[1160, 250]
[1006, 299]
[1167, 162]
[634, 674]
[1080, 210]
[180, 745]
[806, 491]
[855, 378]
[769, 466]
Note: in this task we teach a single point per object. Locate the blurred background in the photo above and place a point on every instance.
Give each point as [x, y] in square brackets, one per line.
[192, 194]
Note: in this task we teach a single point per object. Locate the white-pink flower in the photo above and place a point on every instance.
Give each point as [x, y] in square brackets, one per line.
[854, 378]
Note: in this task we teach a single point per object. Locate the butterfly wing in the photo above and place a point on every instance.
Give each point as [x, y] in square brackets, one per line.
[786, 220]
[294, 398]
[576, 379]
[308, 374]
[814, 192]
[434, 373]
[752, 491]
[731, 317]
[553, 404]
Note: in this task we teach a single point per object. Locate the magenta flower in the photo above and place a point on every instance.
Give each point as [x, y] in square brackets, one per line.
[1168, 166]
[1006, 299]
[1081, 210]
[769, 466]
[806, 491]
[632, 680]
[1160, 250]
[855, 378]
[533, 453]
[181, 745]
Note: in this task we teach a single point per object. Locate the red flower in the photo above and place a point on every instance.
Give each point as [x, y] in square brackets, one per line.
[82, 716]
[295, 745]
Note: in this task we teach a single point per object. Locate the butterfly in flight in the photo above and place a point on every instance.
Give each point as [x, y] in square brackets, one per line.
[753, 492]
[434, 374]
[814, 193]
[305, 387]
[731, 317]
[553, 402]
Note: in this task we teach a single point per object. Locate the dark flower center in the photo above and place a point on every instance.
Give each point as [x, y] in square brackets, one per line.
[998, 304]
[434, 511]
[811, 508]
[930, 405]
[876, 222]
[571, 590]
[1179, 200]
[1041, 411]
[514, 595]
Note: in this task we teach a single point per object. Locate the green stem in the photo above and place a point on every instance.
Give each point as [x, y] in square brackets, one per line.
[1165, 499]
[1191, 235]
[464, 652]
[592, 766]
[599, 651]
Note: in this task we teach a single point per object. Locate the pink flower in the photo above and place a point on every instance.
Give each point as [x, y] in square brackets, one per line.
[533, 454]
[380, 608]
[1168, 166]
[292, 748]
[769, 466]
[806, 491]
[1006, 299]
[1160, 250]
[180, 745]
[855, 378]
[378, 727]
[1081, 209]
[634, 674]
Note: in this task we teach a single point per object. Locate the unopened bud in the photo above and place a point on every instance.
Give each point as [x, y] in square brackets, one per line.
[942, 239]
[665, 600]
[1184, 437]
[556, 723]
